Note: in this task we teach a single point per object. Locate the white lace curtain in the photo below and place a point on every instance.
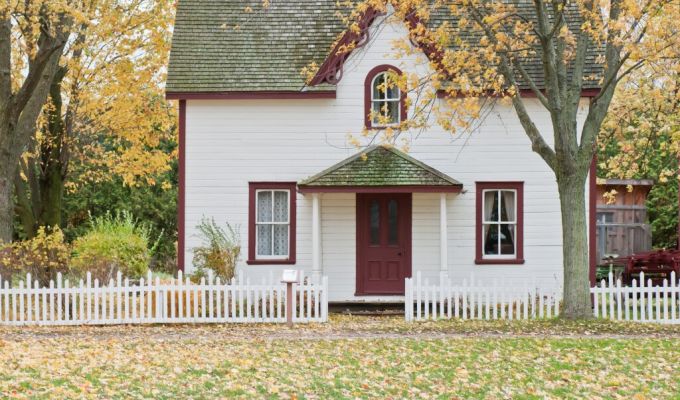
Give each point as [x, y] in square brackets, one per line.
[272, 223]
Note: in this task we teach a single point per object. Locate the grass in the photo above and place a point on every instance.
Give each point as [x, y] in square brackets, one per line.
[365, 358]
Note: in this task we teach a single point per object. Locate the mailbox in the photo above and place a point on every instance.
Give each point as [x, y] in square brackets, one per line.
[290, 276]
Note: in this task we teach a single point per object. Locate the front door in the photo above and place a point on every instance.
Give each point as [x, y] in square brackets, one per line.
[383, 242]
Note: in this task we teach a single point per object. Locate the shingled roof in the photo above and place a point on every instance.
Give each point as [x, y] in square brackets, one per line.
[379, 166]
[266, 52]
[218, 47]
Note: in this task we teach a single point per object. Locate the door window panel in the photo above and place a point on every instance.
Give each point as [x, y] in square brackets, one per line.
[393, 221]
[374, 216]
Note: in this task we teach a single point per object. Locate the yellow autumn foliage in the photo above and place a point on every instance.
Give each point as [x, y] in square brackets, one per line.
[43, 256]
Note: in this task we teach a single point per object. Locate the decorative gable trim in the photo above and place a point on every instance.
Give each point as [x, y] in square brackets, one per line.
[331, 69]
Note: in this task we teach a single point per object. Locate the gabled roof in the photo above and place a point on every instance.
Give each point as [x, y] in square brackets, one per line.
[379, 166]
[219, 47]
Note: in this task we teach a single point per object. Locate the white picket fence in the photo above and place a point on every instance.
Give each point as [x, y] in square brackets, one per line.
[153, 301]
[643, 302]
[474, 299]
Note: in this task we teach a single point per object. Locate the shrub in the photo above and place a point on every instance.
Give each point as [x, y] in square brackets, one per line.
[220, 250]
[42, 256]
[153, 204]
[114, 244]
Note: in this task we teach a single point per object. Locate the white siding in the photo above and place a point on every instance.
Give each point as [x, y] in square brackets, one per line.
[232, 142]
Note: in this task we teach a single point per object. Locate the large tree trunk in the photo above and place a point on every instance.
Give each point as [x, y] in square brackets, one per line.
[575, 245]
[52, 193]
[52, 158]
[40, 189]
[6, 205]
[19, 111]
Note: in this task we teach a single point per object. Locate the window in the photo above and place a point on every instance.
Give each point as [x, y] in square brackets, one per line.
[271, 223]
[384, 102]
[605, 217]
[500, 223]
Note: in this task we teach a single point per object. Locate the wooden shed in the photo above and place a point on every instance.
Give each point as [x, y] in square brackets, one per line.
[622, 225]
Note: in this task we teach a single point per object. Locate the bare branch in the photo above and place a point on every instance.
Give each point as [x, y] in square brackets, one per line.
[526, 78]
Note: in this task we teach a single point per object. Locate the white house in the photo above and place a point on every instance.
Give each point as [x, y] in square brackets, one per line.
[263, 151]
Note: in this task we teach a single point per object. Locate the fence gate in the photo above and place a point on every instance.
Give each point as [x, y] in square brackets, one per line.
[149, 301]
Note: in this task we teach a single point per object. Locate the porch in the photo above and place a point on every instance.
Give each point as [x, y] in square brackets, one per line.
[377, 218]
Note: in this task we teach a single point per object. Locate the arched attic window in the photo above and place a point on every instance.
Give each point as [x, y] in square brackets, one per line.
[384, 102]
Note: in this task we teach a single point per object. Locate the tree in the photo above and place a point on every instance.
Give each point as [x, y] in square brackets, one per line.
[486, 53]
[106, 115]
[33, 35]
[640, 139]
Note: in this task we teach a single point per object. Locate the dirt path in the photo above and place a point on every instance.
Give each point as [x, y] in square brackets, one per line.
[341, 328]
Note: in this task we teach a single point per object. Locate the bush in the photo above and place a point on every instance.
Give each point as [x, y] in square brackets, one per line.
[153, 204]
[43, 256]
[220, 250]
[114, 244]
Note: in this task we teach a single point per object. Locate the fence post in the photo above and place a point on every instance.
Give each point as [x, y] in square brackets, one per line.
[289, 304]
[675, 289]
[29, 299]
[408, 307]
[419, 295]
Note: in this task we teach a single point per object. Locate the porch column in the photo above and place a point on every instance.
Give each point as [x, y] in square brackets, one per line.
[317, 267]
[443, 238]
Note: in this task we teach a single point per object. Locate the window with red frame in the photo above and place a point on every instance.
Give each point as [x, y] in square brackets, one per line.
[271, 223]
[500, 223]
[384, 103]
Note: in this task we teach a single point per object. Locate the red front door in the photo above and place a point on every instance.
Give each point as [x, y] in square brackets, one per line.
[383, 242]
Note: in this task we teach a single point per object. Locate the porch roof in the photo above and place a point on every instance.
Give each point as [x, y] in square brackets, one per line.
[380, 169]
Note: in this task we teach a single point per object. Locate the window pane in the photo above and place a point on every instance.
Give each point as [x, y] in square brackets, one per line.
[280, 240]
[264, 240]
[264, 206]
[393, 222]
[508, 205]
[393, 112]
[281, 206]
[378, 86]
[507, 239]
[491, 239]
[374, 215]
[377, 111]
[393, 91]
[605, 217]
[491, 205]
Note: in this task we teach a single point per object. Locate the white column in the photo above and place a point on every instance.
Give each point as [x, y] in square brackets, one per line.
[317, 267]
[443, 237]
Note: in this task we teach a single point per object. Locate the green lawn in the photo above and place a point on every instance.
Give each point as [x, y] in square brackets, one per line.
[434, 360]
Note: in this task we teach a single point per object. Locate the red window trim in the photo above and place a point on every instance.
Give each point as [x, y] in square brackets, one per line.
[367, 95]
[241, 95]
[252, 188]
[480, 187]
